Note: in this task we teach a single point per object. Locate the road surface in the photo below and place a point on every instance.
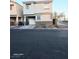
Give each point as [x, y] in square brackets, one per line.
[39, 44]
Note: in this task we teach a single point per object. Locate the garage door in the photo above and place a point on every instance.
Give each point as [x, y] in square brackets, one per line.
[31, 21]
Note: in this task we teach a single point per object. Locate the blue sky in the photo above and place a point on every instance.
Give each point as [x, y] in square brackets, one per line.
[58, 5]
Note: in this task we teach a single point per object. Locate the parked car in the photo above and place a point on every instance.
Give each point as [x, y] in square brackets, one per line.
[21, 23]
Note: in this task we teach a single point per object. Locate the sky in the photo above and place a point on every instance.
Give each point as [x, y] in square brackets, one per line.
[57, 5]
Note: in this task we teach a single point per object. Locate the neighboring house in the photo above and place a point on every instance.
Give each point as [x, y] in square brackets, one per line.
[58, 18]
[16, 13]
[38, 13]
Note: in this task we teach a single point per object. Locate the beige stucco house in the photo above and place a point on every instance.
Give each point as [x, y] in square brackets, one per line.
[38, 13]
[16, 13]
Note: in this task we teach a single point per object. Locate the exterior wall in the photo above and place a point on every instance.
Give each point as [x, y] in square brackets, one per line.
[19, 10]
[16, 13]
[16, 9]
[38, 8]
[44, 17]
[13, 0]
[44, 24]
[13, 11]
[42, 9]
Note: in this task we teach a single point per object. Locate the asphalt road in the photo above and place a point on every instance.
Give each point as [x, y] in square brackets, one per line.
[39, 44]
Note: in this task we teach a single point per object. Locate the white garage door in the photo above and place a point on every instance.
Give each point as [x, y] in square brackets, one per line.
[31, 22]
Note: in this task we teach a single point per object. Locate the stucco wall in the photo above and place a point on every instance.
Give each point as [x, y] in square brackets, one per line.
[19, 10]
[38, 8]
[44, 17]
[13, 11]
[16, 9]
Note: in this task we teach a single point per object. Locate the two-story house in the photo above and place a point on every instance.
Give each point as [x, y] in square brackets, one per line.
[38, 13]
[16, 13]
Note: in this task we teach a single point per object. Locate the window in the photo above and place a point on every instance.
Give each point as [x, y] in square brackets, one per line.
[11, 6]
[38, 18]
[34, 3]
[28, 5]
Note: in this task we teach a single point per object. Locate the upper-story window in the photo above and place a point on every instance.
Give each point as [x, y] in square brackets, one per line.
[28, 5]
[11, 6]
[34, 3]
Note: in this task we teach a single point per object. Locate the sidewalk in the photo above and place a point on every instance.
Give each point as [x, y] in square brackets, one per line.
[23, 27]
[27, 27]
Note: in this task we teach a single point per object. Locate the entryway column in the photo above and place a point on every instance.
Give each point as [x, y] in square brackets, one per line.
[16, 20]
[24, 20]
[35, 18]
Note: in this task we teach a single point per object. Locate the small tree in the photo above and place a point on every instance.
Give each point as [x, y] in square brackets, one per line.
[56, 17]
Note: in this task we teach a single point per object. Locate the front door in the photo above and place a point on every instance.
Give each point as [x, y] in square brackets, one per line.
[27, 21]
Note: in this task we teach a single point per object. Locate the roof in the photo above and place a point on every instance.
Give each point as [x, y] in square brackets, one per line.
[16, 3]
[25, 2]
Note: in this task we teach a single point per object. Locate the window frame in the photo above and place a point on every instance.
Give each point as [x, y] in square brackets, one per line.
[11, 6]
[28, 5]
